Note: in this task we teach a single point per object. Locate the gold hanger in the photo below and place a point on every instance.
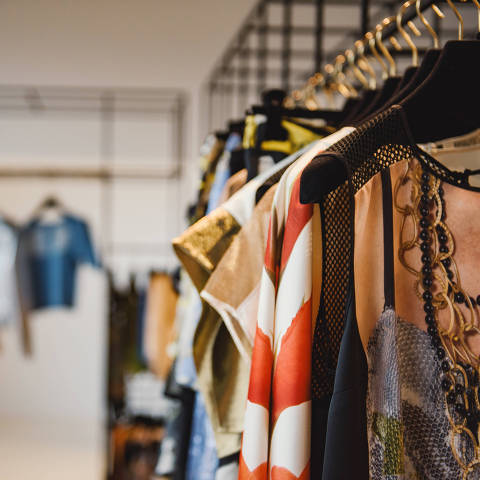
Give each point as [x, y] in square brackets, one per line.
[422, 18]
[477, 4]
[335, 82]
[371, 43]
[364, 64]
[341, 77]
[378, 37]
[350, 56]
[404, 33]
[459, 18]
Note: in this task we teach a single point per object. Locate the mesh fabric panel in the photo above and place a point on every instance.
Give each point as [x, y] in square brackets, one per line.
[371, 148]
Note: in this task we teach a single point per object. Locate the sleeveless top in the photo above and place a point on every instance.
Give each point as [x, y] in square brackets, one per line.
[422, 399]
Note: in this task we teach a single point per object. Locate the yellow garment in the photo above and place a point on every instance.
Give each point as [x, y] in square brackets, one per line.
[298, 137]
[159, 330]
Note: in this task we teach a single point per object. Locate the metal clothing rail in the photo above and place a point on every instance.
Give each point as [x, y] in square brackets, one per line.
[273, 52]
[101, 173]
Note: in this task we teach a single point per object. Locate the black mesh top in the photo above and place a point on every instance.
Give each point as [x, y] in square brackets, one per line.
[374, 146]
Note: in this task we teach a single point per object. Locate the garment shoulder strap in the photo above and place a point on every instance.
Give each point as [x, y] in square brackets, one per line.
[388, 249]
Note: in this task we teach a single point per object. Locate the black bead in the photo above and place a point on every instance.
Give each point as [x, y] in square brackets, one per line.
[460, 409]
[459, 388]
[432, 330]
[428, 308]
[424, 223]
[469, 392]
[424, 211]
[424, 235]
[459, 297]
[440, 191]
[425, 247]
[471, 417]
[427, 295]
[446, 262]
[478, 300]
[439, 229]
[442, 238]
[474, 379]
[427, 282]
[429, 319]
[449, 288]
[443, 249]
[451, 397]
[445, 365]
[424, 200]
[425, 177]
[440, 353]
[425, 188]
[427, 270]
[426, 258]
[450, 274]
[472, 301]
[446, 384]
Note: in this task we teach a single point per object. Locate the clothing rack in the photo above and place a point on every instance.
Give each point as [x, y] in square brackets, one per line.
[244, 71]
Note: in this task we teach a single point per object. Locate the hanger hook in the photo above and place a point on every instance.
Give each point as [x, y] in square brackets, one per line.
[364, 64]
[371, 43]
[332, 73]
[378, 37]
[430, 29]
[477, 4]
[459, 18]
[350, 56]
[404, 33]
[339, 63]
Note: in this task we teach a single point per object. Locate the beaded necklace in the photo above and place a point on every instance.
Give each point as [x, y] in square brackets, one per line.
[438, 286]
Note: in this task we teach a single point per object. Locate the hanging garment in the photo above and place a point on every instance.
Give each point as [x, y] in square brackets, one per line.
[202, 462]
[159, 331]
[222, 171]
[203, 452]
[370, 149]
[48, 256]
[233, 185]
[172, 461]
[8, 277]
[233, 287]
[276, 438]
[222, 374]
[422, 384]
[261, 153]
[214, 148]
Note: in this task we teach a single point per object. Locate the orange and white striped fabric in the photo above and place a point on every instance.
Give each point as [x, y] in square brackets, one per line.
[276, 438]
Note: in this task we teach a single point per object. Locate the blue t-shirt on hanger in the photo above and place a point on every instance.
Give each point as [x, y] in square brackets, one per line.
[48, 255]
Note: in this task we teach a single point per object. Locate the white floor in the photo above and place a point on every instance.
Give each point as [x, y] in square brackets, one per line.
[34, 451]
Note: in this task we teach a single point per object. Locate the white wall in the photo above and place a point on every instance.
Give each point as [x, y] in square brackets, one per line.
[51, 405]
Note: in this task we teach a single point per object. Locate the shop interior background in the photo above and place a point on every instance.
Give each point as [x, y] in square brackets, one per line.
[113, 96]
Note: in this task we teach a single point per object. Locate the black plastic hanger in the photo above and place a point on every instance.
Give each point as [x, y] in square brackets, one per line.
[273, 101]
[381, 98]
[221, 135]
[50, 202]
[420, 74]
[365, 100]
[406, 77]
[447, 103]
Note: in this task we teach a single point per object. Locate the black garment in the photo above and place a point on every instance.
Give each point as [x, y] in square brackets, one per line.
[339, 366]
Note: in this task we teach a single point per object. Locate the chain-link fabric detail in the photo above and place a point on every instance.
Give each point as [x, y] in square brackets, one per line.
[408, 429]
